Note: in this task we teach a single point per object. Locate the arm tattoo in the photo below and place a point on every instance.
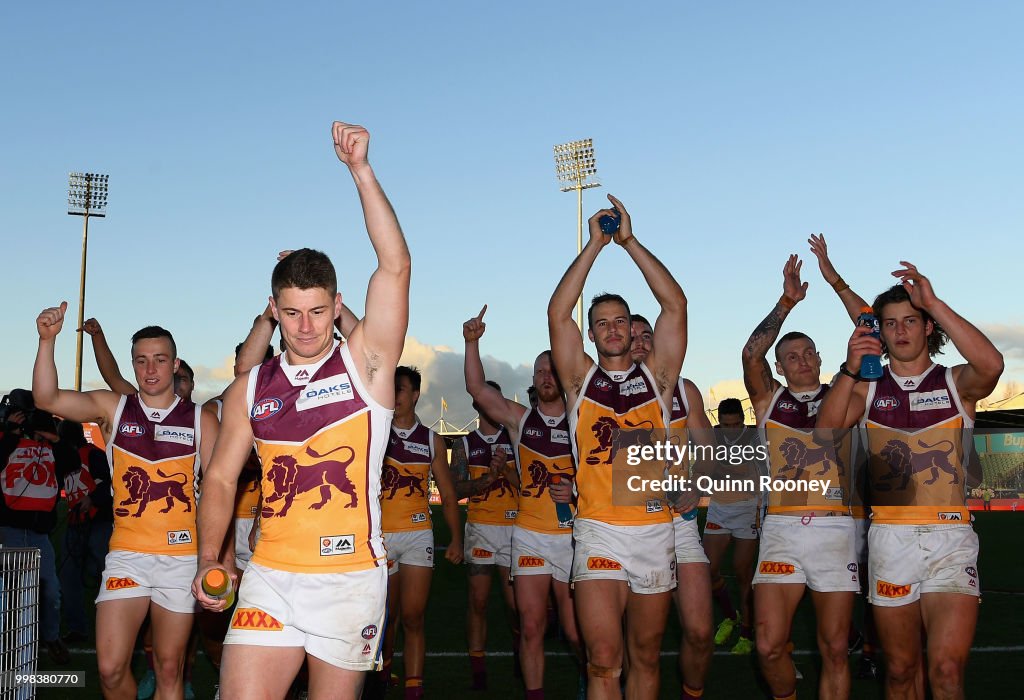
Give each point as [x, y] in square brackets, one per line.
[757, 346]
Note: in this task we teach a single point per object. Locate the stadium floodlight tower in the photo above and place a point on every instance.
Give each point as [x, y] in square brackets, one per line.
[87, 196]
[577, 170]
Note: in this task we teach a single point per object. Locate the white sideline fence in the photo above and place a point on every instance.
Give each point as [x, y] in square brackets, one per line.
[19, 619]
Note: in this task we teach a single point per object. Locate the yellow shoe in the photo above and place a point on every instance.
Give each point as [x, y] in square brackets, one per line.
[743, 646]
[725, 631]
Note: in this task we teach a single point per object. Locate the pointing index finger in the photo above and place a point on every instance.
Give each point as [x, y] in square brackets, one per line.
[480, 316]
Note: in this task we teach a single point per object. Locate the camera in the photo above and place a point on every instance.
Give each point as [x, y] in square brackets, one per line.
[17, 400]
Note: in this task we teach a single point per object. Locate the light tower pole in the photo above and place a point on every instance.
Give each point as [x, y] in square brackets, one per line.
[87, 196]
[577, 170]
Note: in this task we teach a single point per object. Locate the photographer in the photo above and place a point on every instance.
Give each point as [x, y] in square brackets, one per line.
[34, 462]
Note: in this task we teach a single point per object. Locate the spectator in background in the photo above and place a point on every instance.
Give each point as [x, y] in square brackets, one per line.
[33, 462]
[90, 523]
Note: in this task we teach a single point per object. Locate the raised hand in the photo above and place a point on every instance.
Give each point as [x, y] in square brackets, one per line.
[284, 254]
[917, 285]
[50, 321]
[92, 327]
[791, 285]
[351, 143]
[820, 250]
[474, 327]
[625, 232]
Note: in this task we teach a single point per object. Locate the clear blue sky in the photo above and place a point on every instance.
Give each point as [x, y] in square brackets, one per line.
[730, 130]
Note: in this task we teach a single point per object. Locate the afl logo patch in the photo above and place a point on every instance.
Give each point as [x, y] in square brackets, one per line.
[369, 632]
[887, 403]
[787, 407]
[266, 408]
[132, 430]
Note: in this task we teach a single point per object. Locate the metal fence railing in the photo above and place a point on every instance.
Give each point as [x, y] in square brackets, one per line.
[19, 619]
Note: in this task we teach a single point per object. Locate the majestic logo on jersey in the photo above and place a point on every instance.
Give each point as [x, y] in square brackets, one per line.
[392, 478]
[540, 479]
[142, 489]
[117, 584]
[325, 391]
[334, 545]
[181, 436]
[929, 400]
[891, 590]
[603, 564]
[800, 458]
[291, 479]
[132, 429]
[611, 437]
[952, 515]
[887, 403]
[776, 568]
[904, 462]
[255, 619]
[302, 374]
[179, 537]
[266, 408]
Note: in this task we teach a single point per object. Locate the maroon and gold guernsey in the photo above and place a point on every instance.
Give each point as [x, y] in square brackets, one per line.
[614, 410]
[679, 415]
[499, 503]
[917, 434]
[544, 452]
[154, 459]
[793, 454]
[321, 438]
[405, 480]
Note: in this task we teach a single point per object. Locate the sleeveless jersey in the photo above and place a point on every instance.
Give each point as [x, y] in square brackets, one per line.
[543, 452]
[499, 503]
[154, 459]
[788, 431]
[405, 481]
[321, 438]
[917, 435]
[613, 411]
[679, 414]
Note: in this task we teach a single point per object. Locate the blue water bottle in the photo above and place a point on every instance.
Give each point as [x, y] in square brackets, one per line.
[870, 365]
[562, 510]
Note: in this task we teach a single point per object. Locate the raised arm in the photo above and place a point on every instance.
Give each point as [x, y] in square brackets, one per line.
[380, 336]
[666, 357]
[570, 360]
[109, 370]
[757, 373]
[852, 301]
[978, 377]
[843, 405]
[83, 407]
[254, 347]
[220, 482]
[449, 499]
[489, 399]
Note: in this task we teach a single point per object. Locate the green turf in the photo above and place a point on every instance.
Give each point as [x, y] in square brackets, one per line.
[989, 674]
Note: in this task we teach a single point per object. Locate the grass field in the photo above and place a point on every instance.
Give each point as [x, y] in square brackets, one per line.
[993, 672]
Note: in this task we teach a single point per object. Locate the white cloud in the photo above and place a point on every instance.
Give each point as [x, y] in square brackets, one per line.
[1009, 339]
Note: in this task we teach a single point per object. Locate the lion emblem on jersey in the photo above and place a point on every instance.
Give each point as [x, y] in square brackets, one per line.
[800, 457]
[501, 485]
[904, 463]
[143, 489]
[291, 479]
[611, 437]
[392, 478]
[540, 479]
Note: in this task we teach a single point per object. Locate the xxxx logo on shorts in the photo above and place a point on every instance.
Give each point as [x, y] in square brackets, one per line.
[255, 619]
[776, 568]
[602, 564]
[117, 584]
[482, 553]
[530, 561]
[891, 590]
[712, 526]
